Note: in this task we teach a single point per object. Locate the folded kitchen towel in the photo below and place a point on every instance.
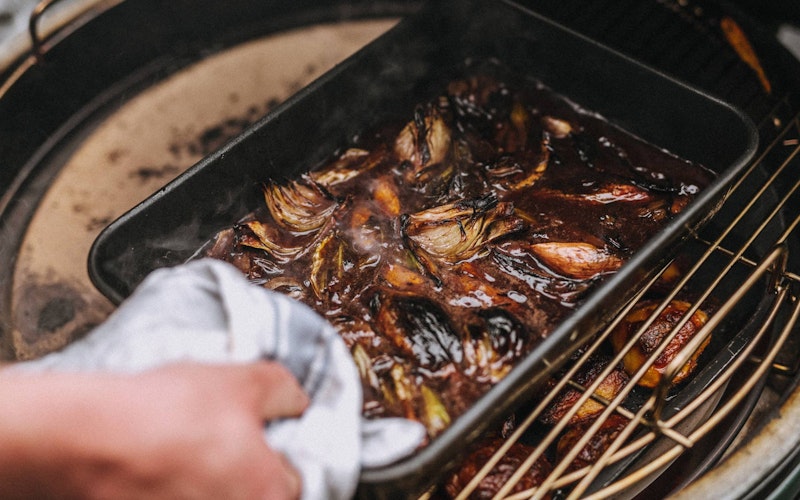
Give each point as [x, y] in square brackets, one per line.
[207, 311]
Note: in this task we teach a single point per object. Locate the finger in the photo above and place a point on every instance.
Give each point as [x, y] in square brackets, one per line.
[277, 393]
[276, 477]
[292, 478]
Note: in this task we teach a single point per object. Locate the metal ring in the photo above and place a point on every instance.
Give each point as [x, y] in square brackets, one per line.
[92, 7]
[33, 23]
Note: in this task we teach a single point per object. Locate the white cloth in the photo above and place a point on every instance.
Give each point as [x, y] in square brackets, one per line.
[207, 311]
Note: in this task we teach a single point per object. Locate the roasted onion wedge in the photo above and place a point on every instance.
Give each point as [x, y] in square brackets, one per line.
[263, 236]
[351, 163]
[364, 365]
[425, 140]
[457, 231]
[401, 390]
[301, 206]
[517, 261]
[327, 266]
[521, 170]
[421, 330]
[435, 417]
[497, 341]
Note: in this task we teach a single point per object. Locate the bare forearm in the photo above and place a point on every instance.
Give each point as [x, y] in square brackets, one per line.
[43, 418]
[163, 434]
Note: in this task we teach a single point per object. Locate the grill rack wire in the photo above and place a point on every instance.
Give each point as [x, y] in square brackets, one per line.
[725, 268]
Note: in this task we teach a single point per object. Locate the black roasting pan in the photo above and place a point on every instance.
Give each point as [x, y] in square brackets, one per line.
[382, 82]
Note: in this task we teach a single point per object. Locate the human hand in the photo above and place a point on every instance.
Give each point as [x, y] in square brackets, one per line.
[181, 431]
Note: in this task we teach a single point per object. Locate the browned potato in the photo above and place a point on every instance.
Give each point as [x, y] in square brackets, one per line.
[653, 337]
[608, 389]
[597, 445]
[501, 472]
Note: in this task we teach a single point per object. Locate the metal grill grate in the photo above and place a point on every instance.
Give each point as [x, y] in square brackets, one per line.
[738, 269]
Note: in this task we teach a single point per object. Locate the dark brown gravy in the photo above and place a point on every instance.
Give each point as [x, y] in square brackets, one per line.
[445, 248]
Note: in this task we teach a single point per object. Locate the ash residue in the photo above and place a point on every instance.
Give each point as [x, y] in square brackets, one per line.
[51, 315]
[212, 138]
[145, 174]
[97, 223]
[55, 313]
[116, 154]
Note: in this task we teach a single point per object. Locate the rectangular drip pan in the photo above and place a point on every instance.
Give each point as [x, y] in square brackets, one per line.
[383, 81]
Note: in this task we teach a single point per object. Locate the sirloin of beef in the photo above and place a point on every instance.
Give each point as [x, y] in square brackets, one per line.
[445, 247]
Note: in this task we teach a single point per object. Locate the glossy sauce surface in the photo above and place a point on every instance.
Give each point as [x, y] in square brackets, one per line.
[445, 247]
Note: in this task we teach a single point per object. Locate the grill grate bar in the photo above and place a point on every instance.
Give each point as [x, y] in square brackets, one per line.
[667, 427]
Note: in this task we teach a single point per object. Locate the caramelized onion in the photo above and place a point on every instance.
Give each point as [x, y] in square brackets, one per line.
[263, 237]
[498, 340]
[301, 205]
[349, 165]
[457, 231]
[421, 330]
[425, 140]
[521, 170]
